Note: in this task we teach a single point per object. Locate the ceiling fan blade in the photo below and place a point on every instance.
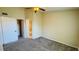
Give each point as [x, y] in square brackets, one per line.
[29, 8]
[42, 9]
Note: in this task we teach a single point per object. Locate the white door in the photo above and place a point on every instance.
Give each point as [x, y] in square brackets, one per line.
[1, 38]
[9, 26]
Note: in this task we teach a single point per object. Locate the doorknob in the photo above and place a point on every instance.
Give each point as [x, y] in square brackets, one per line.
[15, 31]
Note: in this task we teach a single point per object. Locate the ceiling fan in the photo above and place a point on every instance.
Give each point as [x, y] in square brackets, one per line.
[36, 9]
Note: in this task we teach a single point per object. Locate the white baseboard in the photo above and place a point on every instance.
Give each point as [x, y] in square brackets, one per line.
[59, 41]
[1, 47]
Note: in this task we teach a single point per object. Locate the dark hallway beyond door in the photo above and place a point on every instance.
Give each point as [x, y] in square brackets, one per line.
[20, 27]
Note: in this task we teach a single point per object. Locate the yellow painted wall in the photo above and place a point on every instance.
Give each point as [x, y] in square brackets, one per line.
[61, 26]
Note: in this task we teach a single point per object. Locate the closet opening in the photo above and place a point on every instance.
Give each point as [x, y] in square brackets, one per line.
[20, 23]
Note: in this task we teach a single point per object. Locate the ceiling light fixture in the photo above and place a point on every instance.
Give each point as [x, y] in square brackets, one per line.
[36, 9]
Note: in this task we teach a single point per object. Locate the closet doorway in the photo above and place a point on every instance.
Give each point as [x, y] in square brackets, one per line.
[20, 23]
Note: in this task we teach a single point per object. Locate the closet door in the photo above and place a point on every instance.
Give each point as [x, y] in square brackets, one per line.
[9, 29]
[1, 38]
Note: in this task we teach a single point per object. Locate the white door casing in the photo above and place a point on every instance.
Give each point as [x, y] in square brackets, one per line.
[1, 37]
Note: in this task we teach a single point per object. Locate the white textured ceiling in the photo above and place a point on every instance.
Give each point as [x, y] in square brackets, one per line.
[57, 8]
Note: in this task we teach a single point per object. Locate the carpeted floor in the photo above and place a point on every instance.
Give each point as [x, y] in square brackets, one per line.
[39, 44]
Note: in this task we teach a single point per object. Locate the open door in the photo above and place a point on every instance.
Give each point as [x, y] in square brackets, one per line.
[30, 29]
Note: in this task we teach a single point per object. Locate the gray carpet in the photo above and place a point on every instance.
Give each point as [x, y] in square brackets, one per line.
[39, 44]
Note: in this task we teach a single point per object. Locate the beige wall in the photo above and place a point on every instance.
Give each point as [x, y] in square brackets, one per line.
[15, 12]
[61, 26]
[37, 25]
[78, 25]
[29, 14]
[36, 22]
[21, 13]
